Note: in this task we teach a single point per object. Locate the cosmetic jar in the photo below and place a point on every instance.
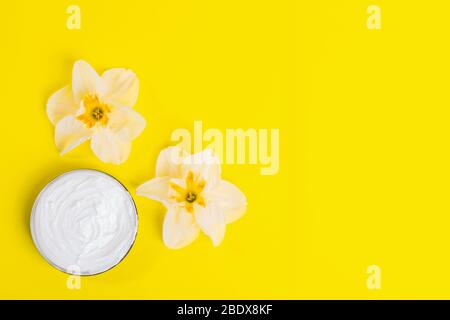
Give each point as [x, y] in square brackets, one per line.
[84, 222]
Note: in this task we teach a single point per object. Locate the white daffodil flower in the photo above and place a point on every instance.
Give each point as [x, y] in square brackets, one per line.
[196, 198]
[98, 108]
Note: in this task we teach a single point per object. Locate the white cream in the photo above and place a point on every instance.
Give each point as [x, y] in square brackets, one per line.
[84, 222]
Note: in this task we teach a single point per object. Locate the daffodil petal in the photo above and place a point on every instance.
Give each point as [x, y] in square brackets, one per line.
[61, 104]
[179, 228]
[211, 221]
[156, 189]
[169, 162]
[204, 164]
[69, 133]
[85, 80]
[111, 147]
[125, 118]
[122, 86]
[230, 199]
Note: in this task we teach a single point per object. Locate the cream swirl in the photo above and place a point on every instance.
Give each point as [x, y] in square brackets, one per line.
[84, 222]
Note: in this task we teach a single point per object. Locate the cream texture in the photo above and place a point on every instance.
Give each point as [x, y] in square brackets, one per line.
[84, 222]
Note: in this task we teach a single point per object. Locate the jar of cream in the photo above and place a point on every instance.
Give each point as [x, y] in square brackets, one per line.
[84, 222]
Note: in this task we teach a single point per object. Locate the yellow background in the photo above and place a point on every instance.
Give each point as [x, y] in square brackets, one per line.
[363, 118]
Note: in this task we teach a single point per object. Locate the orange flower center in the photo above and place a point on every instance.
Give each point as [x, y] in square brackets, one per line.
[191, 194]
[95, 111]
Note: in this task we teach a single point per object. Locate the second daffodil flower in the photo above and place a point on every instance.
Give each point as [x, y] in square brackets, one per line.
[98, 108]
[196, 198]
